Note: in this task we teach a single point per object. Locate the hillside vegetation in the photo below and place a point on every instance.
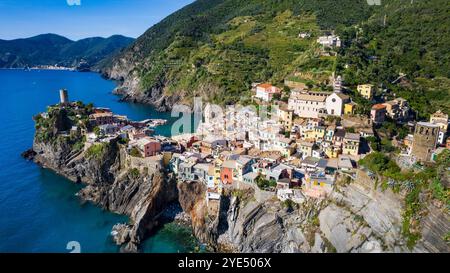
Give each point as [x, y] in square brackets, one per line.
[407, 38]
[218, 48]
[228, 44]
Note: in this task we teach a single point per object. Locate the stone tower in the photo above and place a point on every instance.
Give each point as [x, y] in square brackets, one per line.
[64, 96]
[425, 137]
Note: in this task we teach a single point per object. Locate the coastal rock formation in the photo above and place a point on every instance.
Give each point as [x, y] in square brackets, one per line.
[123, 70]
[112, 182]
[193, 202]
[355, 218]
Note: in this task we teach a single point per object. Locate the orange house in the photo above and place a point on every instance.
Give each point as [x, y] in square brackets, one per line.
[227, 171]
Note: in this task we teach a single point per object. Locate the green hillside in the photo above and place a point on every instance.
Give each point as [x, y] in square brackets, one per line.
[217, 48]
[408, 38]
[228, 44]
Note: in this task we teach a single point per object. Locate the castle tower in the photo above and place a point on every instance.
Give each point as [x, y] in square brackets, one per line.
[64, 96]
[425, 138]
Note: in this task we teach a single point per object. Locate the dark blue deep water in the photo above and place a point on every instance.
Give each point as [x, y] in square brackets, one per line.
[39, 211]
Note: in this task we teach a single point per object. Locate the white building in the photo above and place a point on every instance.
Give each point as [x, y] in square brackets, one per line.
[329, 41]
[294, 195]
[337, 84]
[308, 104]
[441, 119]
[266, 92]
[335, 104]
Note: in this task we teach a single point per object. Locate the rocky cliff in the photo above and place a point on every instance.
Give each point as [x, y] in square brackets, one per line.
[111, 181]
[355, 218]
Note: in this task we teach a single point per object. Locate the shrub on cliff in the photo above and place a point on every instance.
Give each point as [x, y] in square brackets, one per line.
[97, 150]
[134, 173]
[134, 152]
[265, 184]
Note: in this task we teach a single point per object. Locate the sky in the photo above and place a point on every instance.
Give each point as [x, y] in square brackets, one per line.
[27, 18]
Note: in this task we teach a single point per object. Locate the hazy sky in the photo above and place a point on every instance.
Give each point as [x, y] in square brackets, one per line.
[26, 18]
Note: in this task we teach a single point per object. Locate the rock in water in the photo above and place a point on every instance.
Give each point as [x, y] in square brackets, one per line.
[29, 154]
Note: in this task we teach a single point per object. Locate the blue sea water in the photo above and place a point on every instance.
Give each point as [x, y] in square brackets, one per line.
[39, 211]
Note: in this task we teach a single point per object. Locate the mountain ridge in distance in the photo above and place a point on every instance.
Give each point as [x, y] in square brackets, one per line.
[54, 49]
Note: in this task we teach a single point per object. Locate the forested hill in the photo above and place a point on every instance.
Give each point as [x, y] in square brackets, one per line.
[404, 38]
[52, 49]
[227, 44]
[217, 48]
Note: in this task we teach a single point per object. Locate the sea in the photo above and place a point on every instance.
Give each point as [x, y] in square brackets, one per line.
[39, 211]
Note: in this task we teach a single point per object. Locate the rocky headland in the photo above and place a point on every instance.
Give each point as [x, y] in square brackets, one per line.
[111, 179]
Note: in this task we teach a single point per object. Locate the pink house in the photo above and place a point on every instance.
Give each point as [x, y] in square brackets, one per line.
[149, 147]
[378, 113]
[266, 91]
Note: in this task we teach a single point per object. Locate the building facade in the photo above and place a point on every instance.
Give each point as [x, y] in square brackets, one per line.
[308, 104]
[424, 141]
[266, 91]
[366, 90]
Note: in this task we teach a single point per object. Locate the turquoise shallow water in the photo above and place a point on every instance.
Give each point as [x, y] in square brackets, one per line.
[39, 210]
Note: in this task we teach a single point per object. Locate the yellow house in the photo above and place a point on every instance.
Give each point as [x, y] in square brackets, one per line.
[306, 148]
[441, 119]
[289, 150]
[349, 108]
[217, 169]
[285, 116]
[317, 133]
[351, 144]
[332, 151]
[366, 90]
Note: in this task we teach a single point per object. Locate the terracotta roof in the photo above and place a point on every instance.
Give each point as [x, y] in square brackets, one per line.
[265, 85]
[378, 107]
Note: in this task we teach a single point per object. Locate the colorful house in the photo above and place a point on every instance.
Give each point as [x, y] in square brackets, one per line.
[266, 91]
[366, 90]
[350, 108]
[285, 116]
[351, 144]
[378, 113]
[243, 166]
[283, 145]
[332, 151]
[306, 148]
[228, 171]
[318, 185]
[330, 133]
[102, 118]
[149, 147]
